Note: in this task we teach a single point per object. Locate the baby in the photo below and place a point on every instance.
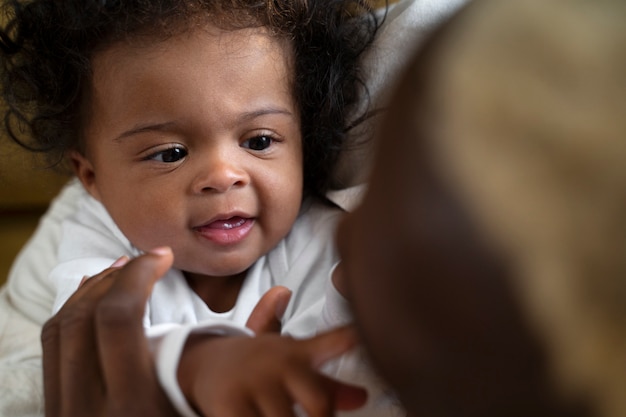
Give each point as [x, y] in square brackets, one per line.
[206, 130]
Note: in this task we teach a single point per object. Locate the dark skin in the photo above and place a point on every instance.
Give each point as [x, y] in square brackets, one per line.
[87, 371]
[433, 298]
[447, 332]
[81, 337]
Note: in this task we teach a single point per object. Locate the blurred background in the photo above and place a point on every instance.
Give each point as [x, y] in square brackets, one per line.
[26, 188]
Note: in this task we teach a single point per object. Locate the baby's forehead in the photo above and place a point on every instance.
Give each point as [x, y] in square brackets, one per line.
[140, 54]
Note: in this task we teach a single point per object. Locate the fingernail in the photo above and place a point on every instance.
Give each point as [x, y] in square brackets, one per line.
[160, 250]
[82, 281]
[121, 261]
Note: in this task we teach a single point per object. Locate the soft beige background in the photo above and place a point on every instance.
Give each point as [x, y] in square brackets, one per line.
[26, 187]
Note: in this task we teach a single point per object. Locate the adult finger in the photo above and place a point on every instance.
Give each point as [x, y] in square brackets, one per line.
[127, 362]
[50, 341]
[267, 314]
[72, 381]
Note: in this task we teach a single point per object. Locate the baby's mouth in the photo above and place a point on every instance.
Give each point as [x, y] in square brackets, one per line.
[226, 231]
[226, 224]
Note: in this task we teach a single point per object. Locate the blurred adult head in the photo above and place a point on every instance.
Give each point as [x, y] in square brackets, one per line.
[485, 265]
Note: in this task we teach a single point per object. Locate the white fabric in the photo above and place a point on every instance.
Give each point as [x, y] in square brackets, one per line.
[302, 262]
[303, 259]
[25, 304]
[27, 299]
[406, 25]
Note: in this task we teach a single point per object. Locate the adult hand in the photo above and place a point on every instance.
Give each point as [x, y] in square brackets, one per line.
[95, 353]
[88, 372]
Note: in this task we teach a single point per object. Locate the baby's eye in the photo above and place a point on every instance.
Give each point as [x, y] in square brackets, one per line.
[169, 155]
[258, 143]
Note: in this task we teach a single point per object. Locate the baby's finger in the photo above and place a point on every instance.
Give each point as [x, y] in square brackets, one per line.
[318, 394]
[237, 408]
[274, 401]
[310, 391]
[267, 314]
[331, 344]
[321, 396]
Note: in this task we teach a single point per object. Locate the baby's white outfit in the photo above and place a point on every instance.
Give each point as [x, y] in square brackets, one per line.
[302, 261]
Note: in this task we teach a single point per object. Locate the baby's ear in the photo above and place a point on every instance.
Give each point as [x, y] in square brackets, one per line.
[83, 169]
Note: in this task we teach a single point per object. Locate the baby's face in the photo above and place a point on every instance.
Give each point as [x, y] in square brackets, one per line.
[195, 143]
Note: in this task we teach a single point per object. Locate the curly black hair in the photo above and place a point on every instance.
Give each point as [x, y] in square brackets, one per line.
[47, 47]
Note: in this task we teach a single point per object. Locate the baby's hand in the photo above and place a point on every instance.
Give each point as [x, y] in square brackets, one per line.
[266, 375]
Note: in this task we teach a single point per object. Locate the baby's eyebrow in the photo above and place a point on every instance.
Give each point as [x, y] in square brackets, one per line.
[147, 127]
[168, 126]
[265, 111]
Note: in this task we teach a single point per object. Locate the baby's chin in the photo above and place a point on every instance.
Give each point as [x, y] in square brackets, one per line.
[212, 273]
